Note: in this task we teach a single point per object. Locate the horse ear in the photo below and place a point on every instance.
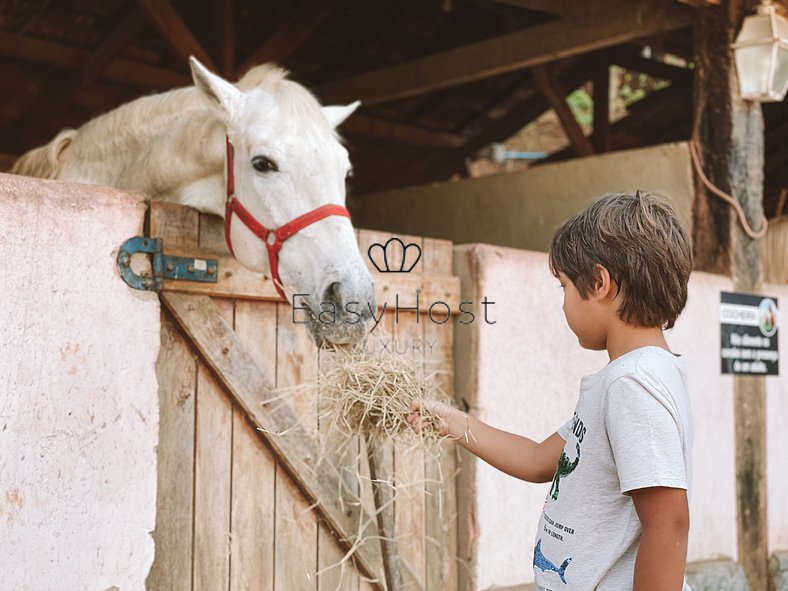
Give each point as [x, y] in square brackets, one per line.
[216, 89]
[338, 113]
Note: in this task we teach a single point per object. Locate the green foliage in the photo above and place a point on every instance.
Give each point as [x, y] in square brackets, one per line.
[582, 106]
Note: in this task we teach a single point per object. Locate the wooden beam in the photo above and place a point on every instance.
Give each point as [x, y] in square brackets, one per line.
[440, 165]
[556, 97]
[58, 97]
[249, 387]
[510, 52]
[227, 38]
[292, 34]
[729, 134]
[120, 70]
[361, 125]
[562, 9]
[112, 45]
[601, 133]
[175, 30]
[632, 60]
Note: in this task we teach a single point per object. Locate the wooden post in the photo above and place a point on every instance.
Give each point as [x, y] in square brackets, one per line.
[729, 132]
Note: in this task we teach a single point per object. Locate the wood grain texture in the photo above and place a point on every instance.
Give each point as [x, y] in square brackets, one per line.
[176, 372]
[244, 381]
[212, 484]
[254, 465]
[295, 555]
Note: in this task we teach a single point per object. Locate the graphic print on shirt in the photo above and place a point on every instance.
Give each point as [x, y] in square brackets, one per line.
[564, 469]
[543, 564]
[565, 465]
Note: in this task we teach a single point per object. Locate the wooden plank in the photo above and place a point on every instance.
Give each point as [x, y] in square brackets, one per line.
[176, 372]
[227, 36]
[120, 70]
[340, 457]
[514, 51]
[440, 502]
[223, 351]
[563, 9]
[365, 126]
[253, 524]
[295, 552]
[335, 575]
[59, 95]
[602, 107]
[292, 34]
[212, 484]
[111, 46]
[556, 97]
[175, 30]
[254, 466]
[177, 225]
[404, 290]
[295, 555]
[409, 517]
[212, 476]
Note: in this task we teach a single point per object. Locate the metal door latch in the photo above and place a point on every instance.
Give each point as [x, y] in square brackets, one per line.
[162, 266]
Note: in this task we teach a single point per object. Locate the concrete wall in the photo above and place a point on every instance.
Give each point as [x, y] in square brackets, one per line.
[523, 374]
[523, 209]
[78, 398]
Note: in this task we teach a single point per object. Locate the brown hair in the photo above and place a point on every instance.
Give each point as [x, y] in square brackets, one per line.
[639, 239]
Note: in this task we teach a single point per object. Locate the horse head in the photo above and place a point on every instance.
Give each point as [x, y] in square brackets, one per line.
[286, 161]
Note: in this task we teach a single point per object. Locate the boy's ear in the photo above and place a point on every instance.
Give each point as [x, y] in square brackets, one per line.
[604, 285]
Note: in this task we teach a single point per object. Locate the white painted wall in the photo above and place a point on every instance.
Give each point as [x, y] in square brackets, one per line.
[529, 369]
[78, 397]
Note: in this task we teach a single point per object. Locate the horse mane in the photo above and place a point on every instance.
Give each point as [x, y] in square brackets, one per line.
[139, 120]
[46, 161]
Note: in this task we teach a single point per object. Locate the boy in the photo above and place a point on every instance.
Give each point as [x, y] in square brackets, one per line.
[616, 516]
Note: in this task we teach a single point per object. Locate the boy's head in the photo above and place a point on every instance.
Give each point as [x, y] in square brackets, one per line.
[639, 239]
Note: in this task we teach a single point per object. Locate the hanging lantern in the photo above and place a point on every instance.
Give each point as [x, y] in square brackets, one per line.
[761, 53]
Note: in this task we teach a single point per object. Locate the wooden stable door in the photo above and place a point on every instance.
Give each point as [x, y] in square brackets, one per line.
[246, 498]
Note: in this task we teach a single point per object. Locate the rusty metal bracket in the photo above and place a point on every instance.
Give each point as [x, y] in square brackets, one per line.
[162, 266]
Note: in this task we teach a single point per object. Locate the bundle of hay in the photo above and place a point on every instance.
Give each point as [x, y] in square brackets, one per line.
[369, 392]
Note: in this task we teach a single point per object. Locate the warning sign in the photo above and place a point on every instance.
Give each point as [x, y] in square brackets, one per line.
[749, 334]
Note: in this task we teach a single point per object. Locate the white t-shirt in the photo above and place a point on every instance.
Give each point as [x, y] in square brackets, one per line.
[631, 429]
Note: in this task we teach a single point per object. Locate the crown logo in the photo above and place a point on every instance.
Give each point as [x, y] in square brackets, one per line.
[383, 256]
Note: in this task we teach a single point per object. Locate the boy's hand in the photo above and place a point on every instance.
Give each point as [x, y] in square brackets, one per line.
[440, 410]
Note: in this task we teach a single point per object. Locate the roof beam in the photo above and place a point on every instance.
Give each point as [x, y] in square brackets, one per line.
[57, 97]
[601, 98]
[514, 51]
[556, 97]
[360, 125]
[175, 30]
[292, 34]
[562, 9]
[120, 70]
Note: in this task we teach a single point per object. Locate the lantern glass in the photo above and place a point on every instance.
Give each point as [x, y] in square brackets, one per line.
[761, 54]
[753, 63]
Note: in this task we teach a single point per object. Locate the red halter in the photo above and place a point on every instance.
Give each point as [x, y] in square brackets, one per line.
[279, 235]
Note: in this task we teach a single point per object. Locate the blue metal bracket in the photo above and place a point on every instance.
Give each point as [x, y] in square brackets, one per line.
[162, 266]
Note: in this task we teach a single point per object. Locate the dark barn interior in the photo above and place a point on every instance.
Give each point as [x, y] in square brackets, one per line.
[439, 80]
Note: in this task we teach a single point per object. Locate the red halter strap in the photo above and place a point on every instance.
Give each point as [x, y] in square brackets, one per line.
[272, 239]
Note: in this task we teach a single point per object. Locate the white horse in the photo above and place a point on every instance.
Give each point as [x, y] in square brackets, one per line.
[287, 161]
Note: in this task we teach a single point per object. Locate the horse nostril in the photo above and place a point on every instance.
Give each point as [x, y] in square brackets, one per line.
[332, 294]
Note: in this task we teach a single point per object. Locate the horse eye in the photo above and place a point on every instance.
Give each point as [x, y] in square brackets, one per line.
[263, 164]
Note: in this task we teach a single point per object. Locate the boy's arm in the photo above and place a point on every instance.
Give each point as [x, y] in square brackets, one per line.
[664, 519]
[516, 455]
